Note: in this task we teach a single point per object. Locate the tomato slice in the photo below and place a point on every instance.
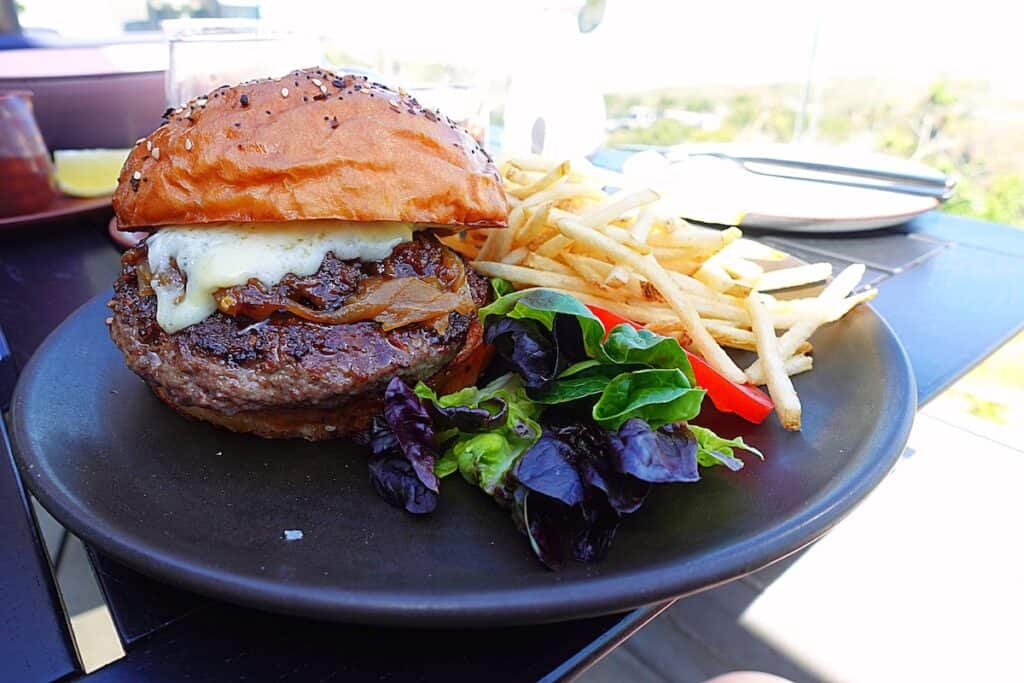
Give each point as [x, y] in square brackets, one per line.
[609, 319]
[745, 400]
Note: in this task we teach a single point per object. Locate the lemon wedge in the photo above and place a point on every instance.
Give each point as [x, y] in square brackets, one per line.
[88, 172]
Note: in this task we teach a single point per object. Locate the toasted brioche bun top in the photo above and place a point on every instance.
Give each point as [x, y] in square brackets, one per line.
[310, 145]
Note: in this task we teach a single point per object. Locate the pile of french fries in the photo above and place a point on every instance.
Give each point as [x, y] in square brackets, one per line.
[625, 252]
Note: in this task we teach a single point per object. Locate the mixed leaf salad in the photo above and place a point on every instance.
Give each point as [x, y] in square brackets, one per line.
[579, 425]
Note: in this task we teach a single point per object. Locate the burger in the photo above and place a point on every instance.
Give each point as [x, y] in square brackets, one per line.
[293, 266]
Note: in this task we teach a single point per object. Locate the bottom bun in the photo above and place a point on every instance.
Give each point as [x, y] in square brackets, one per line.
[312, 424]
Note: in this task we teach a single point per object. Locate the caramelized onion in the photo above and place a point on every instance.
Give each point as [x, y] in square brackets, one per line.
[393, 303]
[391, 300]
[144, 277]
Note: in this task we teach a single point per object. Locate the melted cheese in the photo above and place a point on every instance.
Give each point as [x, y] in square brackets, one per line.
[215, 256]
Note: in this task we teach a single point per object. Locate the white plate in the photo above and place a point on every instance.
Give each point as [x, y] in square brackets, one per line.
[716, 190]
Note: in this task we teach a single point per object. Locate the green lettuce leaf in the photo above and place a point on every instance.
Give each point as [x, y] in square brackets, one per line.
[501, 287]
[446, 464]
[589, 381]
[627, 345]
[655, 396]
[714, 450]
[485, 458]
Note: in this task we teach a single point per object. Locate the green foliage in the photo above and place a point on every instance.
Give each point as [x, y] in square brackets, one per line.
[698, 103]
[1000, 199]
[942, 125]
[618, 105]
[779, 125]
[743, 109]
[839, 128]
[662, 132]
[898, 140]
[941, 95]
[992, 411]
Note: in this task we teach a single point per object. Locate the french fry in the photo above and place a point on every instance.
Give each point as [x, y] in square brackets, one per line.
[556, 175]
[747, 272]
[707, 303]
[534, 225]
[618, 277]
[519, 177]
[694, 286]
[734, 337]
[603, 215]
[624, 236]
[683, 254]
[798, 364]
[714, 276]
[828, 309]
[516, 256]
[703, 239]
[796, 276]
[833, 304]
[649, 268]
[500, 240]
[642, 225]
[464, 246]
[787, 404]
[637, 312]
[554, 246]
[562, 191]
[539, 262]
[620, 251]
[588, 267]
[683, 266]
[580, 169]
[616, 233]
[851, 302]
[725, 333]
[844, 283]
[530, 276]
[534, 163]
[785, 320]
[755, 251]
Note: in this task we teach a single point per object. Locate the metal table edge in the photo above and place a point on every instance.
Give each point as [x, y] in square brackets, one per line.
[601, 646]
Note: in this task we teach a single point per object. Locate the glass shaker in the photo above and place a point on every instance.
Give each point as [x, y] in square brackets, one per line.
[26, 173]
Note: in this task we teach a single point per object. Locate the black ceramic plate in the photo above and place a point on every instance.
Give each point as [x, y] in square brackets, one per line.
[207, 509]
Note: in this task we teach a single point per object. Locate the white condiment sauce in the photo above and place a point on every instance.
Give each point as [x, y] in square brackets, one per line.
[223, 255]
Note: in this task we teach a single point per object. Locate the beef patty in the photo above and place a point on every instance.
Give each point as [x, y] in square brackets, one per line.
[231, 365]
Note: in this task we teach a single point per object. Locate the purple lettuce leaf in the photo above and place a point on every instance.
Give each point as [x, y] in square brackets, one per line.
[541, 519]
[668, 454]
[596, 523]
[403, 451]
[548, 468]
[569, 339]
[570, 494]
[590, 449]
[551, 526]
[396, 482]
[537, 353]
[526, 347]
[411, 424]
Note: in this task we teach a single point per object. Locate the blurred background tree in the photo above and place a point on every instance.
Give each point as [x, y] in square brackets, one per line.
[954, 127]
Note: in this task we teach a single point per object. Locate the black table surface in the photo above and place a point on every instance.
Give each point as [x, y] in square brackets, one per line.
[946, 287]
